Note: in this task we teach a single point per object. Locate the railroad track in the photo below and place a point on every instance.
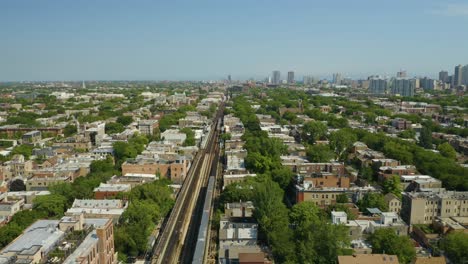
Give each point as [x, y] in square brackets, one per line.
[169, 245]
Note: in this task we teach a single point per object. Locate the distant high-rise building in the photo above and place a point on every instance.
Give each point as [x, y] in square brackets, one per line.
[402, 74]
[378, 86]
[403, 87]
[465, 75]
[83, 85]
[427, 83]
[444, 76]
[276, 77]
[337, 78]
[291, 77]
[309, 80]
[229, 78]
[457, 76]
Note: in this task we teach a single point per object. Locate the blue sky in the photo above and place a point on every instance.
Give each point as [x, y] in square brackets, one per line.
[208, 39]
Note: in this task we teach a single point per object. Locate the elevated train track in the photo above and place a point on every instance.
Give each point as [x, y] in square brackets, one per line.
[181, 227]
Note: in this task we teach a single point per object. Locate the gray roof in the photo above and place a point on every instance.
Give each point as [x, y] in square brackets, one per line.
[43, 233]
[374, 210]
[85, 246]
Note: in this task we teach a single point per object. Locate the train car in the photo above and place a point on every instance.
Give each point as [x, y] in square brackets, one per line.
[199, 254]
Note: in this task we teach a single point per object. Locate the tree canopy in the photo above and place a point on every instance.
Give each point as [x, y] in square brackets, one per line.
[386, 241]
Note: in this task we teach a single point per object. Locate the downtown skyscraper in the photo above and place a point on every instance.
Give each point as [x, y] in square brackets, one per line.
[291, 77]
[276, 77]
[458, 75]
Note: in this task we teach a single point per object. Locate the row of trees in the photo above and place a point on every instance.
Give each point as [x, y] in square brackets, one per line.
[129, 150]
[300, 235]
[148, 203]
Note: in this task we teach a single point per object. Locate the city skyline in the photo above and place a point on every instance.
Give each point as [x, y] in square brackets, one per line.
[117, 40]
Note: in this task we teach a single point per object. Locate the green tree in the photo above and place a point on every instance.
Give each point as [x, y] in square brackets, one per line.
[54, 205]
[447, 151]
[69, 130]
[372, 200]
[425, 138]
[17, 185]
[226, 136]
[455, 246]
[272, 216]
[366, 173]
[392, 185]
[258, 162]
[409, 133]
[341, 140]
[23, 149]
[386, 241]
[114, 128]
[190, 139]
[319, 153]
[283, 176]
[342, 198]
[313, 131]
[289, 116]
[317, 241]
[125, 120]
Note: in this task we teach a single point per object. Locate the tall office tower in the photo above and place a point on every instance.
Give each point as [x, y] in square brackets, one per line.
[465, 75]
[401, 74]
[378, 86]
[337, 78]
[403, 87]
[443, 76]
[291, 77]
[427, 83]
[417, 83]
[276, 77]
[229, 78]
[83, 85]
[457, 76]
[309, 80]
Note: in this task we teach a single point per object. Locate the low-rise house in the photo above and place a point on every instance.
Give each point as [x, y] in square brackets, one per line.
[239, 210]
[175, 168]
[322, 197]
[386, 172]
[18, 166]
[230, 178]
[112, 209]
[174, 136]
[77, 142]
[360, 229]
[42, 183]
[425, 207]
[393, 203]
[368, 259]
[148, 127]
[326, 180]
[27, 196]
[233, 144]
[10, 207]
[237, 234]
[429, 260]
[31, 137]
[235, 159]
[108, 190]
[193, 120]
[419, 182]
[401, 123]
[133, 179]
[43, 237]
